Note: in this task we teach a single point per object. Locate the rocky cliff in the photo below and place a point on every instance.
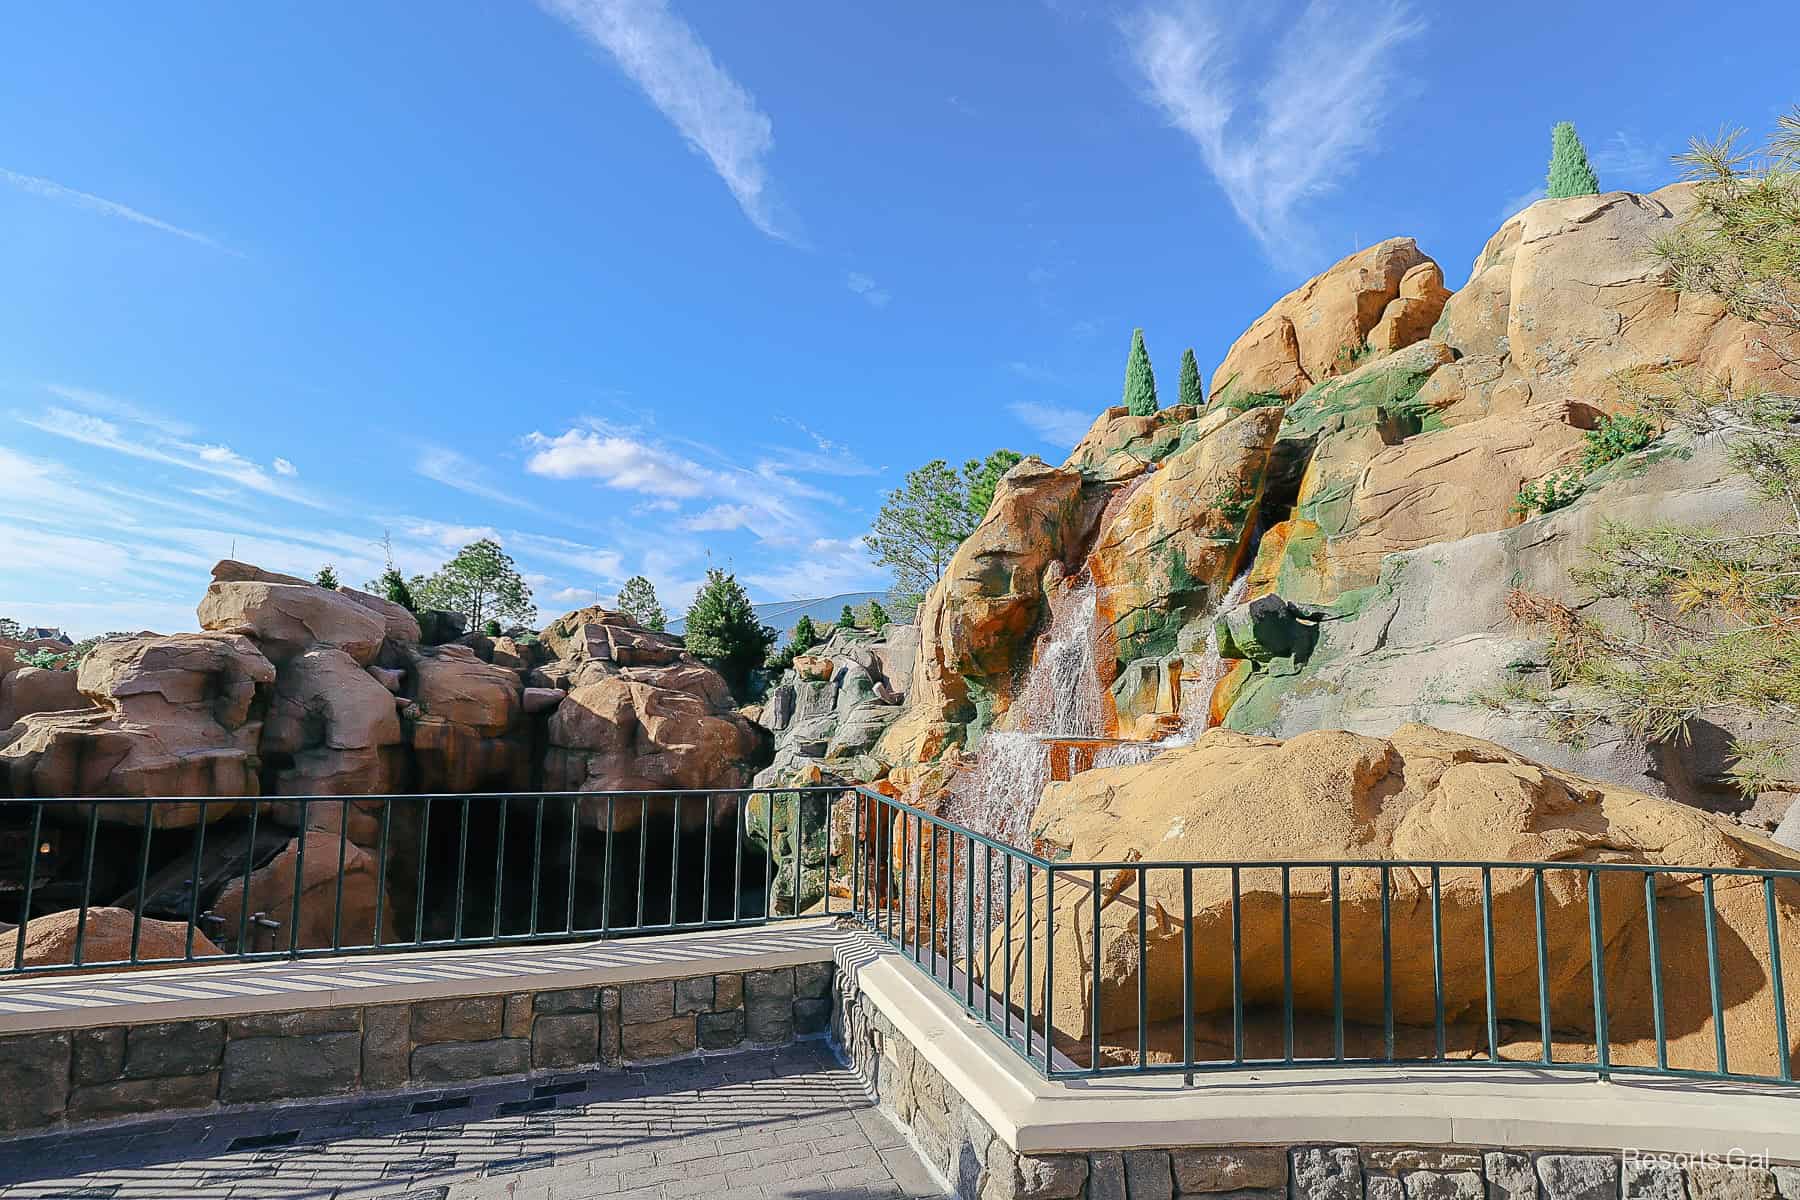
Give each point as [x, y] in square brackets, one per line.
[1358, 462]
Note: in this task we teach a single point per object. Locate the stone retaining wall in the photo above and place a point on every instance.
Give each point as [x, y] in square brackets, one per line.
[980, 1165]
[74, 1075]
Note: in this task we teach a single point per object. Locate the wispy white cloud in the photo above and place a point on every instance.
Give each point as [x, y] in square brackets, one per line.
[284, 467]
[49, 189]
[1625, 160]
[1057, 424]
[821, 567]
[145, 437]
[867, 288]
[618, 460]
[454, 469]
[663, 55]
[1035, 372]
[719, 518]
[1278, 121]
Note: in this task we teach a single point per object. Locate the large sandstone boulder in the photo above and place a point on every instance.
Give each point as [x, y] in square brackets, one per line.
[1422, 794]
[106, 937]
[1567, 294]
[602, 634]
[321, 922]
[1120, 445]
[975, 623]
[179, 715]
[399, 625]
[28, 690]
[465, 728]
[1320, 329]
[332, 729]
[287, 617]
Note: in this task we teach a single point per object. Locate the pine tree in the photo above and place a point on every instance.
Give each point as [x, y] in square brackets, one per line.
[392, 585]
[637, 599]
[806, 635]
[847, 618]
[722, 629]
[1570, 172]
[1191, 391]
[327, 577]
[1140, 381]
[481, 582]
[981, 476]
[878, 616]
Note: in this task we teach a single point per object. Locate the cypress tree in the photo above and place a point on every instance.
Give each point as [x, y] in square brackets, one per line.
[1570, 172]
[1191, 391]
[1140, 381]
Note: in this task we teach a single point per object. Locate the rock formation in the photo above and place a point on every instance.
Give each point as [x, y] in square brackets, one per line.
[1421, 794]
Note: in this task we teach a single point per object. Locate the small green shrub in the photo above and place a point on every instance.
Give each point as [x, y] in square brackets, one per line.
[1245, 401]
[491, 629]
[1559, 489]
[1614, 438]
[1349, 356]
[47, 659]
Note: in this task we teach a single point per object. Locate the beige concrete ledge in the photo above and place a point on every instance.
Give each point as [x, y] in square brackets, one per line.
[1431, 1106]
[233, 989]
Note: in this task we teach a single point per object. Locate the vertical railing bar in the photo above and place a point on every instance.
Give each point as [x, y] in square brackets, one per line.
[299, 879]
[1387, 962]
[1006, 947]
[505, 803]
[606, 871]
[1773, 917]
[462, 874]
[1287, 965]
[1187, 967]
[37, 834]
[934, 899]
[987, 932]
[675, 862]
[1143, 978]
[1030, 975]
[825, 873]
[1543, 962]
[740, 817]
[643, 884]
[87, 886]
[574, 860]
[1656, 980]
[337, 912]
[918, 888]
[969, 932]
[1437, 961]
[1712, 971]
[137, 910]
[706, 840]
[1049, 960]
[1337, 965]
[1487, 958]
[856, 857]
[419, 883]
[1094, 967]
[1597, 961]
[381, 866]
[799, 847]
[537, 866]
[905, 862]
[1237, 964]
[768, 912]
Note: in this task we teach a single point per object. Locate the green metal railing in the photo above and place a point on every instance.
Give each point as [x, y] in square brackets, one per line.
[1085, 969]
[947, 897]
[230, 877]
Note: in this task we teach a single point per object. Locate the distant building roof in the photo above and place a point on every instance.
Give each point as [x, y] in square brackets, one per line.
[43, 633]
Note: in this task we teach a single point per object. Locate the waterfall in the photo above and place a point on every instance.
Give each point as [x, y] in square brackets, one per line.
[1060, 698]
[1197, 690]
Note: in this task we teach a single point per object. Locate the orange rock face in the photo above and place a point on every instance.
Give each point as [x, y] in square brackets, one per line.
[977, 620]
[1316, 330]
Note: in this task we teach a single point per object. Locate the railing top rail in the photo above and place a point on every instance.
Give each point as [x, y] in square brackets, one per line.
[362, 797]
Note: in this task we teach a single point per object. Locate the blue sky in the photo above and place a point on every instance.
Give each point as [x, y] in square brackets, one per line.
[647, 287]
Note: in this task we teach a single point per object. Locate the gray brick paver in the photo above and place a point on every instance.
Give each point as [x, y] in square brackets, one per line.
[792, 1124]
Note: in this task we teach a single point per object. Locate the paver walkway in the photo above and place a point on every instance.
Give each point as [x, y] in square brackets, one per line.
[791, 1122]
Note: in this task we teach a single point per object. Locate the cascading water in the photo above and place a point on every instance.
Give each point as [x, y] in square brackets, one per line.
[1197, 688]
[1060, 698]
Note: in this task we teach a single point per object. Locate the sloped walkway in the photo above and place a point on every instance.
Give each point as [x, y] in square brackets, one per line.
[791, 1122]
